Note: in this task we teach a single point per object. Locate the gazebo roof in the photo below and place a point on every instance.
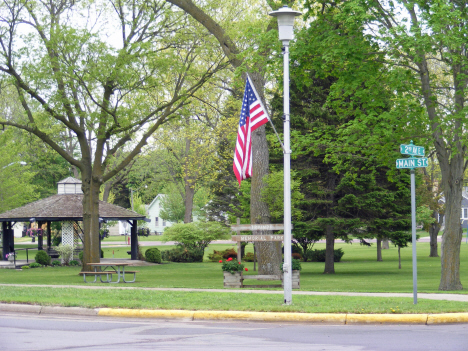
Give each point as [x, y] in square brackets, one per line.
[65, 207]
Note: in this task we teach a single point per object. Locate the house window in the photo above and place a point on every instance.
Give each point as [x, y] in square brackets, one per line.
[164, 223]
[156, 221]
[465, 213]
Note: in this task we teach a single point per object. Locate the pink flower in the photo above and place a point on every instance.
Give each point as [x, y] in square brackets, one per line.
[246, 269]
[229, 259]
[220, 261]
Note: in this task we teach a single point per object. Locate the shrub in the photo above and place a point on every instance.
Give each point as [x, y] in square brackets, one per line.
[55, 263]
[42, 258]
[195, 235]
[74, 263]
[180, 254]
[319, 255]
[218, 255]
[143, 232]
[248, 257]
[153, 255]
[25, 267]
[66, 252]
[215, 256]
[296, 249]
[229, 253]
[34, 265]
[296, 256]
[296, 265]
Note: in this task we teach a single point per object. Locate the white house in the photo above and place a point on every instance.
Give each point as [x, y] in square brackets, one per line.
[157, 224]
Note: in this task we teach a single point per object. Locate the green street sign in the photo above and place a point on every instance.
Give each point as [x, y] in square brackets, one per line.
[411, 162]
[412, 150]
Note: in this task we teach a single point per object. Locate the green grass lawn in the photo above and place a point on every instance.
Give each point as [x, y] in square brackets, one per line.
[357, 272]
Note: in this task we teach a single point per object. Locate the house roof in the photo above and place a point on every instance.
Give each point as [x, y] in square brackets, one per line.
[154, 200]
[66, 207]
[70, 180]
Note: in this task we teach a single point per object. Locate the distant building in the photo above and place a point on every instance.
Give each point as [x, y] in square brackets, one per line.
[157, 224]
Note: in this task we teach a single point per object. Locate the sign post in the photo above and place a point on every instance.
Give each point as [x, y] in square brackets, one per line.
[412, 163]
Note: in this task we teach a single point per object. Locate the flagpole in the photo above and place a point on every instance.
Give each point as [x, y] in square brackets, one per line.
[285, 30]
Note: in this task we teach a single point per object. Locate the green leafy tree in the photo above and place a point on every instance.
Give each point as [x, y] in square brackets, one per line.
[429, 99]
[69, 77]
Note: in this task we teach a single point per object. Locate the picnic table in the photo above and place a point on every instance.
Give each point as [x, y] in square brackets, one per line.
[108, 269]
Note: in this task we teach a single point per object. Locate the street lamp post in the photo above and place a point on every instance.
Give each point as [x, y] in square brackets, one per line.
[285, 17]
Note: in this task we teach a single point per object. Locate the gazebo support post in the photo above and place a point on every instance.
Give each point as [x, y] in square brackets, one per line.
[134, 240]
[49, 236]
[100, 239]
[5, 239]
[40, 238]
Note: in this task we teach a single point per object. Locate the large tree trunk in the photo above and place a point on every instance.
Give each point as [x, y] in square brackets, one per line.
[451, 239]
[268, 253]
[188, 201]
[90, 189]
[385, 245]
[433, 233]
[379, 250]
[330, 251]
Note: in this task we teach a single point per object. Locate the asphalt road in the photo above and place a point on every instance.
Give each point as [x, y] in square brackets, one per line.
[52, 332]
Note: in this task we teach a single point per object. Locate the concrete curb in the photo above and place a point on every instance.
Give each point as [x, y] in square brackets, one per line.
[315, 318]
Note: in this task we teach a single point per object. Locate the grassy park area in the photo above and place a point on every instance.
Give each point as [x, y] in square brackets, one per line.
[357, 272]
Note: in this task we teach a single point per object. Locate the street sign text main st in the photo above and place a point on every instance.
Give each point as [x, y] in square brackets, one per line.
[411, 162]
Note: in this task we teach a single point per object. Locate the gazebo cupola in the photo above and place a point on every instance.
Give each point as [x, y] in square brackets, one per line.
[69, 185]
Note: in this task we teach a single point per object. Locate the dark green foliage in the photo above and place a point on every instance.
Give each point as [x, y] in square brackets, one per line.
[319, 255]
[218, 255]
[103, 233]
[296, 265]
[248, 257]
[74, 263]
[56, 263]
[153, 255]
[296, 249]
[180, 254]
[35, 265]
[215, 256]
[143, 231]
[56, 239]
[42, 258]
[80, 256]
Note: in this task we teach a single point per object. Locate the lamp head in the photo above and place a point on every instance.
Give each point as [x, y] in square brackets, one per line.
[285, 17]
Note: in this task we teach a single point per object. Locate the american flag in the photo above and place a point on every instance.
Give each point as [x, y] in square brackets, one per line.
[253, 115]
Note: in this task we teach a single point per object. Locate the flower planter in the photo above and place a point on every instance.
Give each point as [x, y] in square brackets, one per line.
[233, 280]
[295, 279]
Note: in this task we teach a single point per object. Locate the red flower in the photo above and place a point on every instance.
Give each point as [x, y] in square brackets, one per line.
[220, 261]
[246, 269]
[239, 262]
[229, 259]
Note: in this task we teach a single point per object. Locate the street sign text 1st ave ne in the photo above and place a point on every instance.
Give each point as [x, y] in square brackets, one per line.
[412, 150]
[411, 162]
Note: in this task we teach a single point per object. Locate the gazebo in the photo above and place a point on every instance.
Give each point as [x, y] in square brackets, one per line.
[65, 207]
